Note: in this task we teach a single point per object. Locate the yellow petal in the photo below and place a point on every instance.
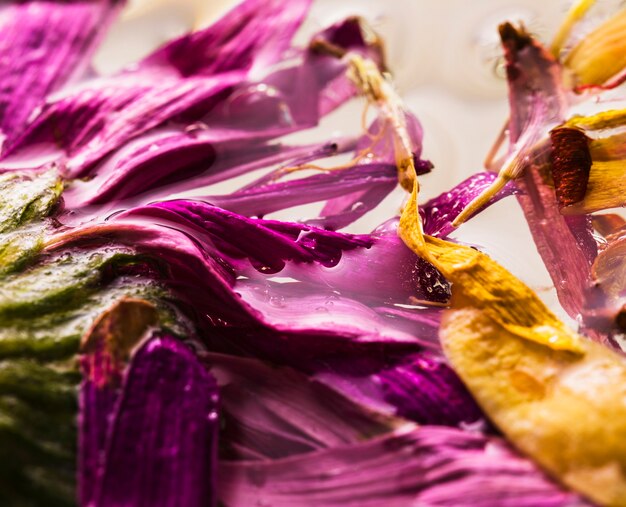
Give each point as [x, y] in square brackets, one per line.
[601, 54]
[566, 411]
[606, 188]
[480, 282]
[600, 121]
[573, 16]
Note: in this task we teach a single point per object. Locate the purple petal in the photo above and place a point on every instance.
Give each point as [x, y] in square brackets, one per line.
[426, 390]
[226, 143]
[343, 211]
[97, 403]
[190, 75]
[532, 74]
[45, 44]
[379, 142]
[428, 466]
[272, 412]
[267, 199]
[162, 441]
[178, 160]
[221, 267]
[378, 146]
[254, 33]
[104, 354]
[103, 114]
[566, 255]
[439, 213]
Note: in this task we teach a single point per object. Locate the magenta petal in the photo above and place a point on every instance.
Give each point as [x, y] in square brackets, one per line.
[190, 75]
[97, 404]
[45, 44]
[439, 213]
[267, 199]
[345, 211]
[162, 442]
[533, 75]
[220, 266]
[426, 390]
[428, 466]
[256, 32]
[273, 412]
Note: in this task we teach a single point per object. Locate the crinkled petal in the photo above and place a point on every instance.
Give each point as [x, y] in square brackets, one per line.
[220, 266]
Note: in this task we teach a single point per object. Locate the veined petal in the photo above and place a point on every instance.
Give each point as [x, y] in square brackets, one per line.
[44, 46]
[565, 244]
[102, 114]
[161, 440]
[266, 199]
[428, 466]
[426, 390]
[272, 412]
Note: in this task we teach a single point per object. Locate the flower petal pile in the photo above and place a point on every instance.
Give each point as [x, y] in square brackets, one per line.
[165, 343]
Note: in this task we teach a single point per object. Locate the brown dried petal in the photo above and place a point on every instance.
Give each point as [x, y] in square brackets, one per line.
[571, 164]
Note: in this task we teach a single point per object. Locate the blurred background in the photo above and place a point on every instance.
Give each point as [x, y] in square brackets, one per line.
[446, 61]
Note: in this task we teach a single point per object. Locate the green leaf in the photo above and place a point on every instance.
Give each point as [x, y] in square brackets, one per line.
[27, 197]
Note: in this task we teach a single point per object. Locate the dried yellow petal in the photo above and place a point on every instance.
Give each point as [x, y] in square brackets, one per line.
[574, 15]
[558, 397]
[480, 282]
[604, 120]
[601, 54]
[606, 188]
[566, 411]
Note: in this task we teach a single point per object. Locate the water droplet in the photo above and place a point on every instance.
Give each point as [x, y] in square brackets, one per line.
[277, 301]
